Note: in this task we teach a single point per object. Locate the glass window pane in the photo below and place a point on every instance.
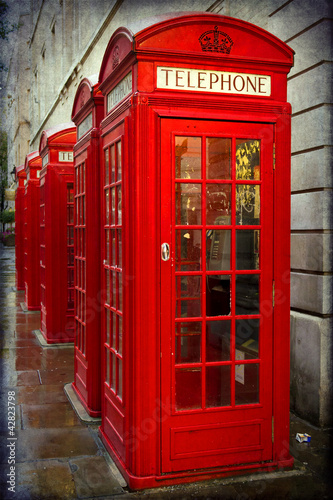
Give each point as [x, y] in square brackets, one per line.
[188, 296]
[106, 166]
[247, 249]
[119, 209]
[113, 248]
[113, 289]
[218, 386]
[114, 371]
[188, 157]
[114, 331]
[218, 246]
[188, 204]
[247, 294]
[107, 208]
[120, 334]
[247, 337]
[218, 295]
[247, 204]
[247, 159]
[218, 340]
[113, 164]
[188, 249]
[107, 375]
[120, 292]
[218, 158]
[107, 286]
[107, 247]
[113, 205]
[120, 378]
[246, 382]
[119, 164]
[188, 342]
[188, 388]
[218, 202]
[107, 325]
[120, 262]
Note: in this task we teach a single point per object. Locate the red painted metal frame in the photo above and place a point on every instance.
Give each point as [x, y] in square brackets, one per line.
[56, 234]
[33, 165]
[88, 105]
[132, 431]
[19, 226]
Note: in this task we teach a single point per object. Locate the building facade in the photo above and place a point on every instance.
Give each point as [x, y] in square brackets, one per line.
[61, 42]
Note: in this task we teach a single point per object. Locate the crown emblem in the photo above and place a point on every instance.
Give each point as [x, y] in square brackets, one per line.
[115, 57]
[216, 41]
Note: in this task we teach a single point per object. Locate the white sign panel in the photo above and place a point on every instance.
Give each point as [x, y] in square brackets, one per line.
[45, 159]
[223, 82]
[65, 156]
[84, 126]
[120, 91]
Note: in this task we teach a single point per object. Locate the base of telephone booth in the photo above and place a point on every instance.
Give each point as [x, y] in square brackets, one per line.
[96, 414]
[26, 308]
[191, 476]
[52, 342]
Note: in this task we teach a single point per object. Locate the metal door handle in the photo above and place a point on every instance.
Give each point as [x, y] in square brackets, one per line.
[165, 251]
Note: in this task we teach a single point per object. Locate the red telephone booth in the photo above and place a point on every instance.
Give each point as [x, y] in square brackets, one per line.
[196, 162]
[33, 165]
[19, 226]
[57, 233]
[87, 114]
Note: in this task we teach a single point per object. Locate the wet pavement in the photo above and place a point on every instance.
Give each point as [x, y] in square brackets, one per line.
[54, 455]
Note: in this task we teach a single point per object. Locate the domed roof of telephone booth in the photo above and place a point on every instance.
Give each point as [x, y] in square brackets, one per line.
[64, 133]
[197, 35]
[87, 89]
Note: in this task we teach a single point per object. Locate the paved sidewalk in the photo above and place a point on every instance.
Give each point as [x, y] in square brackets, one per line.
[57, 456]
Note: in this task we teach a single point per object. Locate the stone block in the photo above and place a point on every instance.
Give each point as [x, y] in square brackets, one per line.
[311, 252]
[312, 46]
[300, 15]
[312, 129]
[311, 369]
[311, 88]
[311, 292]
[312, 170]
[311, 211]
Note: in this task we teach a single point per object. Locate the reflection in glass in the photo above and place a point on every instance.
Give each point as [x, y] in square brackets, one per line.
[218, 340]
[188, 342]
[247, 159]
[247, 383]
[106, 163]
[218, 295]
[113, 205]
[107, 207]
[247, 249]
[120, 262]
[188, 249]
[188, 388]
[188, 157]
[120, 334]
[247, 337]
[218, 386]
[218, 200]
[113, 165]
[107, 375]
[114, 372]
[119, 205]
[218, 158]
[188, 204]
[114, 331]
[188, 296]
[113, 248]
[218, 244]
[119, 161]
[107, 325]
[247, 204]
[247, 294]
[120, 378]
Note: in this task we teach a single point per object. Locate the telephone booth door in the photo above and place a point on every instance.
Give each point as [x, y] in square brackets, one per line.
[87, 113]
[57, 234]
[19, 226]
[216, 293]
[33, 165]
